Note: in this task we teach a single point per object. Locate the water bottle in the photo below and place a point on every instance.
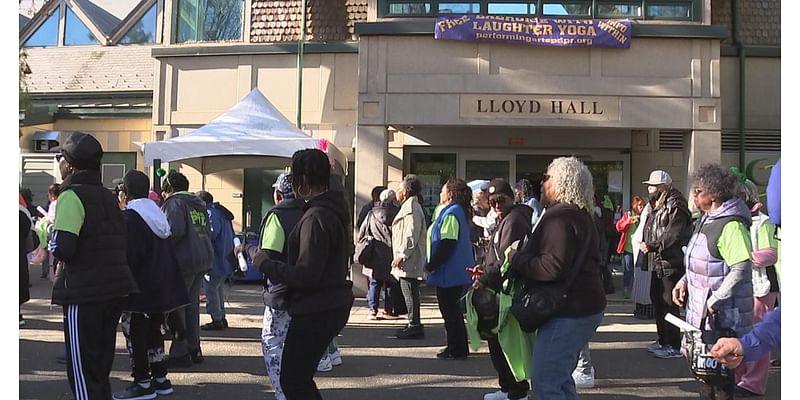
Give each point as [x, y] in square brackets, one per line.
[242, 261]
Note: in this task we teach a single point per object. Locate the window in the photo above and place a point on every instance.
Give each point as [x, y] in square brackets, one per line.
[498, 8]
[567, 8]
[459, 8]
[409, 9]
[109, 172]
[619, 9]
[669, 10]
[433, 170]
[144, 31]
[47, 34]
[76, 33]
[209, 20]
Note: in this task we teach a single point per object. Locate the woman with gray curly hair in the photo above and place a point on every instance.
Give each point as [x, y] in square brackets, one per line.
[564, 244]
[718, 278]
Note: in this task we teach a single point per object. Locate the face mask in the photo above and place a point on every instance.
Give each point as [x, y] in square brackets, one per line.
[655, 195]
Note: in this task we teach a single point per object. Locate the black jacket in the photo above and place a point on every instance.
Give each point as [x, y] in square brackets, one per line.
[316, 267]
[378, 224]
[667, 229]
[551, 252]
[153, 264]
[191, 232]
[94, 265]
[514, 226]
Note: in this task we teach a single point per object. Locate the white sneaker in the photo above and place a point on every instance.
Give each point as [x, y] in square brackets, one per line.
[498, 395]
[336, 358]
[668, 352]
[583, 381]
[325, 364]
[654, 347]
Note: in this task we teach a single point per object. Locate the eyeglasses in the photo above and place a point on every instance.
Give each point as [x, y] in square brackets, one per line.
[498, 201]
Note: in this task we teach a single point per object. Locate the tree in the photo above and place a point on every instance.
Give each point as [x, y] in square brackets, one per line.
[24, 69]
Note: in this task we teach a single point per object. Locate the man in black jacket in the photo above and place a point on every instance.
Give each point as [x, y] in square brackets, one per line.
[514, 224]
[191, 241]
[92, 276]
[666, 231]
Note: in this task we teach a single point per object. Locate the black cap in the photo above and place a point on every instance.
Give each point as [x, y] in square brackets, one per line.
[500, 186]
[82, 151]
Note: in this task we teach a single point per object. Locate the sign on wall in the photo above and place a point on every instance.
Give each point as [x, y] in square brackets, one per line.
[615, 33]
[594, 108]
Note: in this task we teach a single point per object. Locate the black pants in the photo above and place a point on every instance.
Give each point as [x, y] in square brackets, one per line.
[724, 392]
[453, 316]
[508, 384]
[410, 289]
[147, 346]
[90, 333]
[661, 296]
[307, 339]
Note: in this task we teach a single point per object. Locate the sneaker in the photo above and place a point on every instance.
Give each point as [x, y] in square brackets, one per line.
[213, 326]
[389, 315]
[498, 395]
[654, 347]
[197, 356]
[445, 354]
[583, 381]
[373, 315]
[336, 358]
[224, 322]
[626, 294]
[325, 364]
[411, 332]
[668, 352]
[162, 388]
[21, 320]
[136, 392]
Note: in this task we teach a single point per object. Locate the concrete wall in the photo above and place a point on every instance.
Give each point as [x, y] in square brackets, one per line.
[190, 91]
[762, 93]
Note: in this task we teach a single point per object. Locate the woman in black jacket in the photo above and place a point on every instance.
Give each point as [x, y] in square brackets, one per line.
[320, 296]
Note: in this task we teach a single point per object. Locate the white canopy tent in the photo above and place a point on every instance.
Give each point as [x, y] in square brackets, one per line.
[251, 134]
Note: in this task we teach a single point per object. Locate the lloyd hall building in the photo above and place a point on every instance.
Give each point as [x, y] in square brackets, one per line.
[697, 81]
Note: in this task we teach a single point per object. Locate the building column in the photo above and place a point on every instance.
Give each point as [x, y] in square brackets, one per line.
[371, 156]
[702, 147]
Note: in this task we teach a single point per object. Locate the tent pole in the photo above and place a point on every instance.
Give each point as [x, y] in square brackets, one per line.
[300, 48]
[203, 172]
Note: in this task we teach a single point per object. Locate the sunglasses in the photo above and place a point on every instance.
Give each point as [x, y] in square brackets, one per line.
[498, 200]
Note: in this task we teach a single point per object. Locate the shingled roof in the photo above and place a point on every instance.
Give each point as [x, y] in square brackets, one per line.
[761, 21]
[86, 69]
[327, 20]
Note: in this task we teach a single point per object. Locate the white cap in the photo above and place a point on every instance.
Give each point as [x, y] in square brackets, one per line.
[659, 177]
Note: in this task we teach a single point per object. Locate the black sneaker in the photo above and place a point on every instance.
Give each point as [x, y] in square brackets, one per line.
[447, 355]
[136, 392]
[179, 362]
[197, 356]
[213, 326]
[411, 332]
[162, 388]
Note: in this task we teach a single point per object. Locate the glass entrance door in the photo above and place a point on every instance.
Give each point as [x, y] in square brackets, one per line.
[486, 167]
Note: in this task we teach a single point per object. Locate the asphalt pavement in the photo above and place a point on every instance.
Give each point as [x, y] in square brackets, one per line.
[376, 365]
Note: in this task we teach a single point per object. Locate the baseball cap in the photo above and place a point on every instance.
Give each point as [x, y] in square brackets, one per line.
[659, 177]
[500, 186]
[283, 185]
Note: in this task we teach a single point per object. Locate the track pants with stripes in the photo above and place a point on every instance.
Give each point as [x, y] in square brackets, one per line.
[90, 333]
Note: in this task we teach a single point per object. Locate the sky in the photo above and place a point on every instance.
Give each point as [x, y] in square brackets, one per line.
[119, 8]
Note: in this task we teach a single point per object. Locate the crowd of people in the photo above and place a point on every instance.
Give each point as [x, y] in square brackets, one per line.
[142, 257]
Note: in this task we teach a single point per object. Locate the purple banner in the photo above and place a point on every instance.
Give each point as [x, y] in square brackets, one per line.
[615, 33]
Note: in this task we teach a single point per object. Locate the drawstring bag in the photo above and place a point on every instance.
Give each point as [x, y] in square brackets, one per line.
[698, 343]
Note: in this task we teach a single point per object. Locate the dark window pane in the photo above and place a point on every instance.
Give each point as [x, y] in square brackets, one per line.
[409, 8]
[76, 32]
[511, 8]
[633, 10]
[432, 170]
[209, 20]
[567, 8]
[669, 11]
[459, 8]
[47, 33]
[143, 31]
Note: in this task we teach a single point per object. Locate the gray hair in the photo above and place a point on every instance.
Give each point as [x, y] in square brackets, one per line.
[388, 196]
[572, 182]
[717, 181]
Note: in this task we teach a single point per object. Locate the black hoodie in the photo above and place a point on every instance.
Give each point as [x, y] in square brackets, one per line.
[316, 267]
[191, 232]
[514, 226]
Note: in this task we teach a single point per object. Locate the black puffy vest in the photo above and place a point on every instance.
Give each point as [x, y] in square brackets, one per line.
[288, 213]
[99, 269]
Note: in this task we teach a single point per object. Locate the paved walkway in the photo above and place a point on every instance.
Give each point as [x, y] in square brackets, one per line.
[376, 366]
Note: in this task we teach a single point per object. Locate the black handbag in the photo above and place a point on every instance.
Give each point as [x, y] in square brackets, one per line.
[536, 302]
[703, 366]
[641, 261]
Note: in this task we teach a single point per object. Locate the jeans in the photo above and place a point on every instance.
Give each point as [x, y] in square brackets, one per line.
[455, 329]
[374, 295]
[307, 340]
[215, 288]
[410, 288]
[627, 271]
[188, 319]
[273, 336]
[661, 296]
[558, 344]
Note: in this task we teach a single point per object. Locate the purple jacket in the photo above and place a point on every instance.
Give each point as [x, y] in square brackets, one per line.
[764, 337]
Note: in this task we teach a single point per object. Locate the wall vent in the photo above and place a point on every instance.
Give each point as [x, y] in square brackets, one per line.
[760, 141]
[671, 140]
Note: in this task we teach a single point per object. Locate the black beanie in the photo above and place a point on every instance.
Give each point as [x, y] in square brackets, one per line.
[82, 151]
